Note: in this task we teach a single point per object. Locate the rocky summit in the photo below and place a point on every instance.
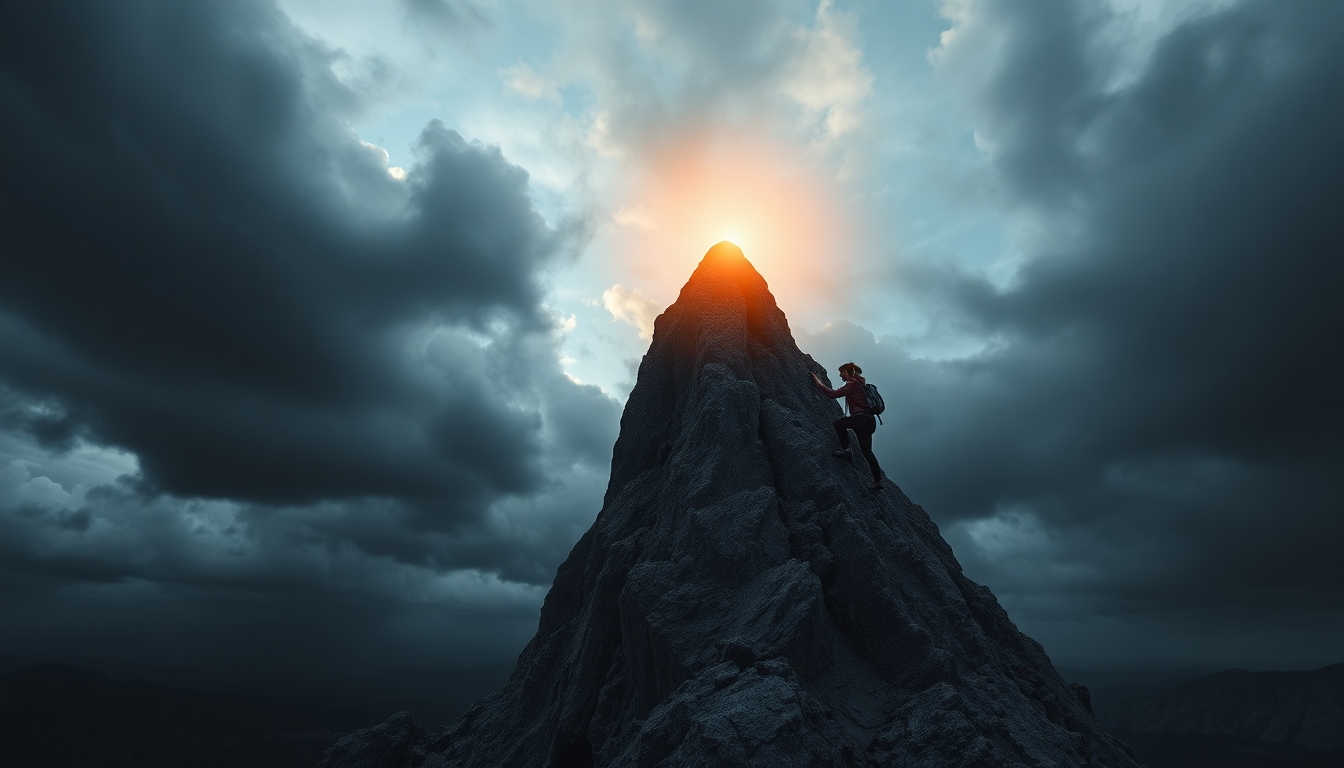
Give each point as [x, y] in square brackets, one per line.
[743, 600]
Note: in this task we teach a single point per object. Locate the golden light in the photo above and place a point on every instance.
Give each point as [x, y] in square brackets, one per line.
[766, 198]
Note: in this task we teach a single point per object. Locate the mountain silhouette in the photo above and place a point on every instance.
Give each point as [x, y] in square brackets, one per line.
[743, 600]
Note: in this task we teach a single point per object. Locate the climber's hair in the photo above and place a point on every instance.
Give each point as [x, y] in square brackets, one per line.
[851, 367]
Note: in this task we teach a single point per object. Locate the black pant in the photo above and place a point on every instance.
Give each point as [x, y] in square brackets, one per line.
[864, 425]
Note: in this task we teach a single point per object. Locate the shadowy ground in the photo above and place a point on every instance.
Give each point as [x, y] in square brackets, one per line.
[66, 717]
[1195, 750]
[1192, 717]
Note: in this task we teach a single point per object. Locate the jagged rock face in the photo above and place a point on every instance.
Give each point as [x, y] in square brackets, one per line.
[742, 599]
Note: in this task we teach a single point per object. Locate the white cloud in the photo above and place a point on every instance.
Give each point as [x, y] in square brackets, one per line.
[829, 78]
[383, 158]
[379, 152]
[1009, 534]
[637, 216]
[527, 82]
[630, 306]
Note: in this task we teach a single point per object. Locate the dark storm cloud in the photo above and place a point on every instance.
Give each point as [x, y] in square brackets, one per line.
[1156, 420]
[251, 383]
[203, 266]
[241, 640]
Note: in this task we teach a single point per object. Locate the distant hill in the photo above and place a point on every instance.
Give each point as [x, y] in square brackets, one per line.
[1302, 708]
[1231, 719]
[1118, 674]
[60, 716]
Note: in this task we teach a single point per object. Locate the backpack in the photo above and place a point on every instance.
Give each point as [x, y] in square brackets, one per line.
[875, 404]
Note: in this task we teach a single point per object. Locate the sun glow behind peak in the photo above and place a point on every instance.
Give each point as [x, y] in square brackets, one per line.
[768, 200]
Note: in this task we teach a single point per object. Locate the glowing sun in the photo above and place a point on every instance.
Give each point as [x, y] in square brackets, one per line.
[766, 199]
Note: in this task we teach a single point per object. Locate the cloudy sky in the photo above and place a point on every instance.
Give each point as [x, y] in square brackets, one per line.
[317, 316]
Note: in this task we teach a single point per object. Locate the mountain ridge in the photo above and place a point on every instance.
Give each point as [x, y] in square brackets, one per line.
[1301, 708]
[742, 599]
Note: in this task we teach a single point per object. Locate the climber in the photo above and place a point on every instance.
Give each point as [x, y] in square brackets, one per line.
[859, 419]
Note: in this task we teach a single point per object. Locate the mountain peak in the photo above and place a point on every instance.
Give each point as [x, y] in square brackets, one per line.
[725, 250]
[723, 273]
[725, 266]
[741, 599]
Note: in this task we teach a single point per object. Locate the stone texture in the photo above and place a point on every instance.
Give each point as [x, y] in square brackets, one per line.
[743, 600]
[391, 744]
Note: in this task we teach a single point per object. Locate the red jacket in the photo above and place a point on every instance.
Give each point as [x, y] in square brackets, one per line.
[855, 398]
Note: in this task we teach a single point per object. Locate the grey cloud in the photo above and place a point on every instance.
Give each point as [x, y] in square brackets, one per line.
[232, 640]
[692, 67]
[331, 388]
[1158, 393]
[132, 582]
[448, 15]
[585, 421]
[212, 283]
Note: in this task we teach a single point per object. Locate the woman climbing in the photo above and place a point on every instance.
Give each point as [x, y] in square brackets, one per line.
[859, 419]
